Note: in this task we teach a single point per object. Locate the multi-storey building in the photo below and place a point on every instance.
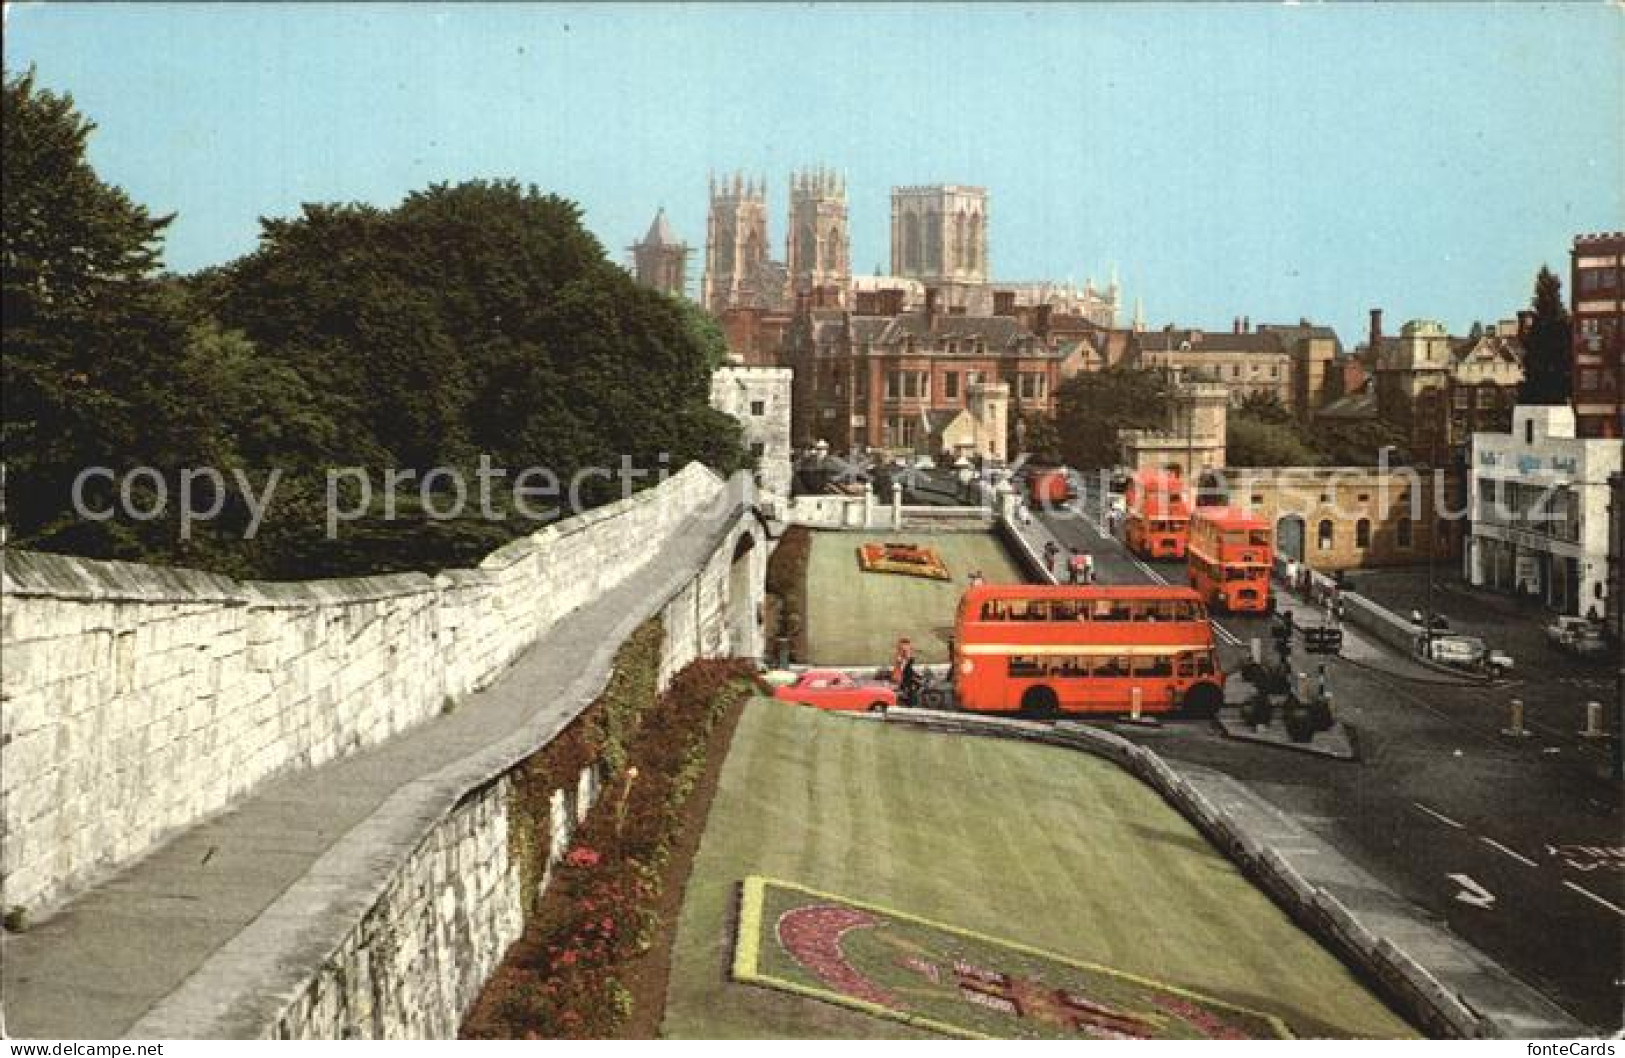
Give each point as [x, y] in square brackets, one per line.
[759, 397]
[1439, 390]
[1538, 497]
[1247, 362]
[1597, 311]
[882, 377]
[660, 261]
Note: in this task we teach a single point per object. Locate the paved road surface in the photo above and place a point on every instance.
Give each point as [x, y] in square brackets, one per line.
[1517, 845]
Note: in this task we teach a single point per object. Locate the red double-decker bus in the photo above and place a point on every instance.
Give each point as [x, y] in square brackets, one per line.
[1157, 514]
[1229, 555]
[1050, 650]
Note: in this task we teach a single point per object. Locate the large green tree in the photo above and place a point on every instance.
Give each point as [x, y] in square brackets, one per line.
[1092, 407]
[1547, 351]
[87, 376]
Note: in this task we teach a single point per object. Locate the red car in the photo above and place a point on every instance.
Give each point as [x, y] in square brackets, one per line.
[831, 689]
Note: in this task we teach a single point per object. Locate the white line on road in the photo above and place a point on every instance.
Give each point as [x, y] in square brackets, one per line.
[1471, 892]
[1520, 857]
[1446, 820]
[1589, 895]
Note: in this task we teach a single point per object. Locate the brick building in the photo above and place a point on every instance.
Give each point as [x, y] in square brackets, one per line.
[1597, 311]
[881, 377]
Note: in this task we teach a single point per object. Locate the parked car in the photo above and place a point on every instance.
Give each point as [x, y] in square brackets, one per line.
[835, 690]
[1578, 636]
[1467, 652]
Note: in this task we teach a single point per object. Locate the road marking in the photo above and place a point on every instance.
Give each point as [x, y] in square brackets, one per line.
[1471, 892]
[1520, 857]
[1446, 820]
[1588, 894]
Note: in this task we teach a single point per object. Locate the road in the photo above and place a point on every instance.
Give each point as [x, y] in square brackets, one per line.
[1516, 843]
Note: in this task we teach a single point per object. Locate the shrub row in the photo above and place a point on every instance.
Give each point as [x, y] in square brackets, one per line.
[565, 976]
[787, 582]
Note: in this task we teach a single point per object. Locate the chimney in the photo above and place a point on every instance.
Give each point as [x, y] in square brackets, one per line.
[867, 303]
[930, 305]
[1004, 303]
[1246, 325]
[1235, 325]
[1041, 325]
[891, 302]
[1526, 320]
[803, 302]
[1374, 339]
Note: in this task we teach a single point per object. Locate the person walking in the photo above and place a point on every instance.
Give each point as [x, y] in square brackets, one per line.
[1088, 568]
[1078, 565]
[976, 578]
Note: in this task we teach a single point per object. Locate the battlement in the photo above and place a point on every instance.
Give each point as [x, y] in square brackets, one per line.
[819, 182]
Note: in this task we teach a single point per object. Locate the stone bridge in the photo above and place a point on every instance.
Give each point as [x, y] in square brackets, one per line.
[243, 809]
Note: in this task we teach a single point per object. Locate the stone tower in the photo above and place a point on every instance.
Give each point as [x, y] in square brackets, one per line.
[817, 247]
[736, 261]
[660, 261]
[939, 234]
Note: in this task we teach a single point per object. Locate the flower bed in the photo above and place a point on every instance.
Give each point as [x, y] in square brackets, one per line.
[603, 913]
[958, 983]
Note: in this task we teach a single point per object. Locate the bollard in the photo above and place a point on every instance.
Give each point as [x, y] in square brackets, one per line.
[1134, 704]
[1593, 727]
[1515, 728]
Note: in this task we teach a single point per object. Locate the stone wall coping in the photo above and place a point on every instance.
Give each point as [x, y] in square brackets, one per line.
[38, 574]
[264, 971]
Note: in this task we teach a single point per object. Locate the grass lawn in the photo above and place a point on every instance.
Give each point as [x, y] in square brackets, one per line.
[855, 618]
[1035, 845]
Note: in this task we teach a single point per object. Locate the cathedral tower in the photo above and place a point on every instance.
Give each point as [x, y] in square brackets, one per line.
[660, 261]
[737, 268]
[817, 248]
[939, 234]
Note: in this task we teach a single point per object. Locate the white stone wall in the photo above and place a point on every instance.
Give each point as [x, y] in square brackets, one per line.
[135, 700]
[738, 390]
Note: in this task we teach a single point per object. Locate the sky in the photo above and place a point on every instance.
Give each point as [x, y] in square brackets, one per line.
[1276, 161]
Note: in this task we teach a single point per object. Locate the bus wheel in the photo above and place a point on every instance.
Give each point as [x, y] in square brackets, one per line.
[1203, 701]
[877, 707]
[1040, 703]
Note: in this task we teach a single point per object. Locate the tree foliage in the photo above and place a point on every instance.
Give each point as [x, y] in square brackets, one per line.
[1547, 352]
[1092, 407]
[472, 319]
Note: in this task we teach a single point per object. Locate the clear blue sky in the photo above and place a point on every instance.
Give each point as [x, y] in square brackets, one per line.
[1273, 161]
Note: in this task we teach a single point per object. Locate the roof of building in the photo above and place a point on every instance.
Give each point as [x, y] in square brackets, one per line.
[1291, 334]
[660, 231]
[1196, 341]
[992, 334]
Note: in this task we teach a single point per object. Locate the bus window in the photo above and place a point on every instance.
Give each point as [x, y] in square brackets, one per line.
[1113, 667]
[1204, 664]
[1159, 665]
[1259, 538]
[1063, 610]
[1187, 666]
[1024, 667]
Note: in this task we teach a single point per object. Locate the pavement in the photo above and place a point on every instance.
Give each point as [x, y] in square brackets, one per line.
[1554, 686]
[212, 934]
[1515, 845]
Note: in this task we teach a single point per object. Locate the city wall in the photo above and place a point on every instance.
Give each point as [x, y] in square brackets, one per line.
[139, 700]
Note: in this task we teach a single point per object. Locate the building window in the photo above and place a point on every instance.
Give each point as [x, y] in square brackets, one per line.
[757, 449]
[1324, 534]
[1529, 431]
[905, 385]
[950, 385]
[1032, 385]
[1362, 533]
[758, 407]
[1404, 532]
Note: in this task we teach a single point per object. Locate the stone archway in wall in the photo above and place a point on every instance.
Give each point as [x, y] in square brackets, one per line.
[744, 596]
[1289, 535]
